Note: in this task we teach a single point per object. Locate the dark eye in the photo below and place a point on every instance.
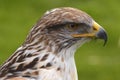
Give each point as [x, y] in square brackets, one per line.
[72, 27]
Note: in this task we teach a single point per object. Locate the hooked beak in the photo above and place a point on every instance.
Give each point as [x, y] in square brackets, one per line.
[98, 33]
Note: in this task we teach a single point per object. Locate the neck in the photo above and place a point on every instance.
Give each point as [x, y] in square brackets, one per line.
[55, 60]
[60, 65]
[33, 61]
[56, 63]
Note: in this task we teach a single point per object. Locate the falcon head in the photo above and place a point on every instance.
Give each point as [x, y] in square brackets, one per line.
[65, 27]
[50, 46]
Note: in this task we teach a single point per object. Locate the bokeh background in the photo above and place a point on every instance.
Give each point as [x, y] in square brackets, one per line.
[94, 62]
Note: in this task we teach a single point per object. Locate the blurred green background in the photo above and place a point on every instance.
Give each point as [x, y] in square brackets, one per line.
[94, 62]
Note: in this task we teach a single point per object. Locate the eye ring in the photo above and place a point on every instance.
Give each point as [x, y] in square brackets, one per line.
[72, 27]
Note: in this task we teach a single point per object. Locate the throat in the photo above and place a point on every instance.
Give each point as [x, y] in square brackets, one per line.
[69, 69]
[61, 65]
[68, 66]
[64, 64]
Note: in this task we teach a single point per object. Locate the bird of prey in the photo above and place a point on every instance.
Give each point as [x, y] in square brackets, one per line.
[48, 51]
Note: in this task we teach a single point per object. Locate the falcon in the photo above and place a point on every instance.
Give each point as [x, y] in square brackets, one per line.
[48, 51]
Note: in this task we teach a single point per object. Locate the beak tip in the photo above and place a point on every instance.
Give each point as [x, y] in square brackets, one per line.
[102, 35]
[105, 41]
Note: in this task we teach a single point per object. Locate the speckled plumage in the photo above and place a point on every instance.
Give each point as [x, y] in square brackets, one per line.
[48, 51]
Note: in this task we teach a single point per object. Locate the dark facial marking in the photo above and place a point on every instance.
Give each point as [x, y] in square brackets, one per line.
[44, 57]
[58, 69]
[42, 67]
[32, 64]
[48, 65]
